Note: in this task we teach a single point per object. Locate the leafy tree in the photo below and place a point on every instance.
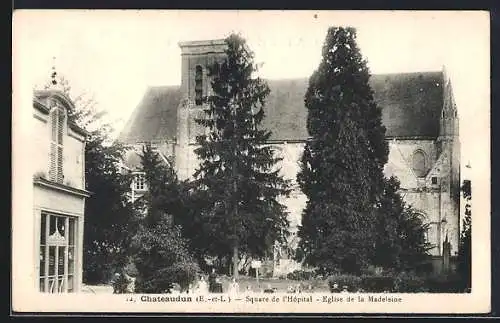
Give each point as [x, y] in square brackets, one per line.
[161, 254]
[464, 250]
[110, 219]
[162, 258]
[342, 164]
[238, 177]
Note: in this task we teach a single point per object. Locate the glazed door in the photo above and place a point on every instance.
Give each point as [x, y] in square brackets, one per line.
[57, 253]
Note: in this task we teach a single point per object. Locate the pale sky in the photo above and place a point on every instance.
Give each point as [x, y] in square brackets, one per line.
[115, 55]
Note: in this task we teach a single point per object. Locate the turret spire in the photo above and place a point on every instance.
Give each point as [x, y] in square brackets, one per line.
[53, 75]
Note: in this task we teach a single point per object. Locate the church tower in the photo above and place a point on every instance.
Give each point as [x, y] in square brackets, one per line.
[449, 147]
[196, 56]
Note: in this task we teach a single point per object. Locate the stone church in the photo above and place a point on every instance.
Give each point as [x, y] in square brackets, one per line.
[418, 110]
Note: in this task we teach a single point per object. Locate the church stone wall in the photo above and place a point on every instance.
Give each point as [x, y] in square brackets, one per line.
[290, 166]
[430, 201]
[419, 187]
[400, 159]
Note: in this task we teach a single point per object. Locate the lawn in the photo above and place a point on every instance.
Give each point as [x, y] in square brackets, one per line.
[281, 285]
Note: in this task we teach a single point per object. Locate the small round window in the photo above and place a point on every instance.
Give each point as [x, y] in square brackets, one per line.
[419, 163]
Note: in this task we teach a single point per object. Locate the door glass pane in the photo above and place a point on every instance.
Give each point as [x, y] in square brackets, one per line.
[60, 284]
[71, 260]
[61, 225]
[52, 228]
[42, 284]
[60, 261]
[52, 260]
[42, 228]
[70, 283]
[52, 284]
[72, 228]
[42, 261]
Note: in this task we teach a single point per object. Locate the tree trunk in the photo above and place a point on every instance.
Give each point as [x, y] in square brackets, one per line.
[235, 261]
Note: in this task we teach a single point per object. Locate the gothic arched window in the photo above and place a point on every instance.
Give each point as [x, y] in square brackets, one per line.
[198, 85]
[57, 123]
[419, 163]
[216, 70]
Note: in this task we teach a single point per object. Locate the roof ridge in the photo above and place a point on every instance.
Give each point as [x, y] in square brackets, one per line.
[307, 77]
[411, 105]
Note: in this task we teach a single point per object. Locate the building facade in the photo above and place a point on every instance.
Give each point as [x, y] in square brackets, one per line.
[418, 111]
[59, 194]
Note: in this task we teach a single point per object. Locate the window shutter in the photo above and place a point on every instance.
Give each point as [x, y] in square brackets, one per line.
[53, 146]
[198, 87]
[60, 136]
[57, 120]
[60, 176]
[60, 127]
[53, 166]
[53, 121]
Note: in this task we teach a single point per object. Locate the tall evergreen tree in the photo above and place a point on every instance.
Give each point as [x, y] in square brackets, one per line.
[342, 164]
[400, 232]
[238, 173]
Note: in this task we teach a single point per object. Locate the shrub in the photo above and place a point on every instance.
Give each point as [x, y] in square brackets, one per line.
[120, 284]
[405, 282]
[352, 282]
[409, 283]
[183, 273]
[268, 274]
[444, 283]
[300, 275]
[162, 258]
[367, 283]
[376, 283]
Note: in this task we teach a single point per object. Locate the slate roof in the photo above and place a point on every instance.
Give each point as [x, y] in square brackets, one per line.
[411, 105]
[155, 118]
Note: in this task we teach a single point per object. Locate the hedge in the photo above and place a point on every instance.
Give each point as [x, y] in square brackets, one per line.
[301, 275]
[401, 283]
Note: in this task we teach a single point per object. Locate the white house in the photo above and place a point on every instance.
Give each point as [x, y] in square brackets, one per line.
[59, 194]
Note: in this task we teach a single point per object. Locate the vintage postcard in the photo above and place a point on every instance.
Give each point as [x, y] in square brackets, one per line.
[251, 161]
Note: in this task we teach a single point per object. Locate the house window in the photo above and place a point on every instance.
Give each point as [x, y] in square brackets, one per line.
[426, 235]
[57, 253]
[198, 87]
[434, 180]
[139, 182]
[216, 70]
[57, 123]
[419, 163]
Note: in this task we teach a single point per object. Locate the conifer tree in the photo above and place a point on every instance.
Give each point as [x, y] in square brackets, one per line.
[238, 174]
[400, 232]
[342, 164]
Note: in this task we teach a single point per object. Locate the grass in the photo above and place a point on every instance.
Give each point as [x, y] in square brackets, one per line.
[281, 285]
